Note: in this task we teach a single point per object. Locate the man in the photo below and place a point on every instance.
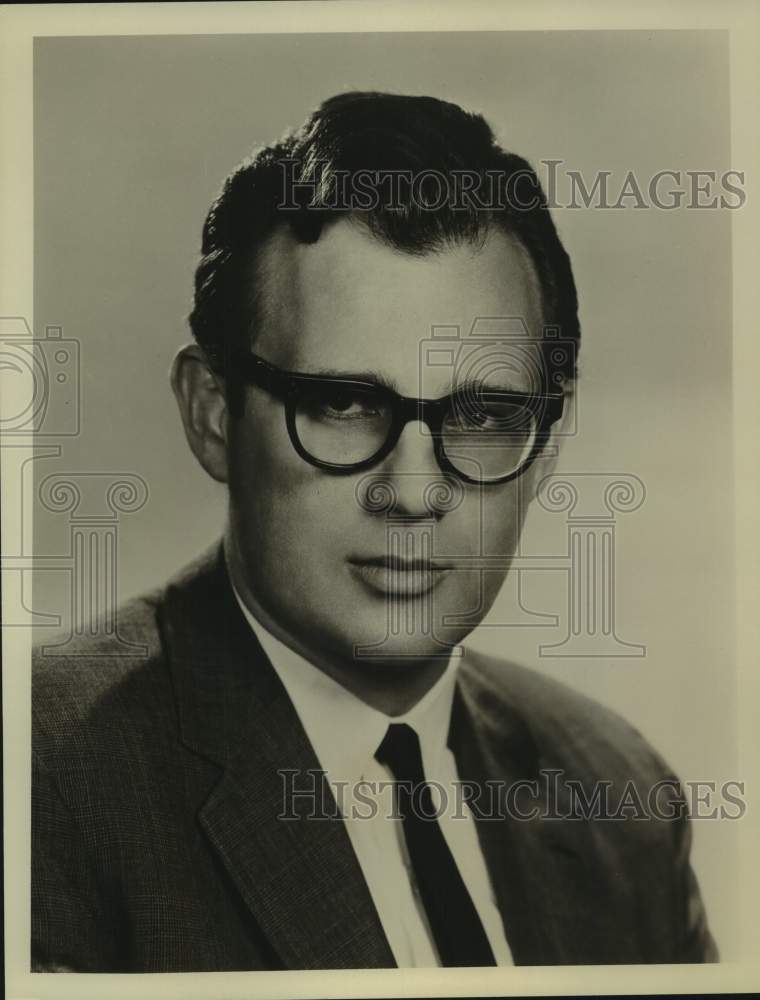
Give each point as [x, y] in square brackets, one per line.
[219, 802]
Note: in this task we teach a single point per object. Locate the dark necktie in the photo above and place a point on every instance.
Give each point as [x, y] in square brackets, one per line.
[453, 919]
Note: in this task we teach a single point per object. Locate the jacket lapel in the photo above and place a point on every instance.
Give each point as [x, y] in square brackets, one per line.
[295, 869]
[550, 875]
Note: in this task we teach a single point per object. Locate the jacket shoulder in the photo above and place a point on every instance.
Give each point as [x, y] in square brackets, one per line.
[112, 650]
[569, 730]
[110, 692]
[91, 690]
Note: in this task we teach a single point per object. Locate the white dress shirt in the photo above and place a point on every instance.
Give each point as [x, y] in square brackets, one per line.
[345, 734]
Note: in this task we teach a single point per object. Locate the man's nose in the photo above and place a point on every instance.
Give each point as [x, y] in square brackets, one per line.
[410, 483]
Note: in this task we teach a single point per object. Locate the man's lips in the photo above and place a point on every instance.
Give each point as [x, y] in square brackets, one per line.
[397, 577]
[402, 565]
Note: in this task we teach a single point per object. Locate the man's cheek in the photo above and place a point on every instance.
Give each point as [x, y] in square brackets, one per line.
[469, 596]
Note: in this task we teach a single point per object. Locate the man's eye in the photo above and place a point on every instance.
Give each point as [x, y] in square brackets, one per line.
[503, 415]
[492, 414]
[344, 404]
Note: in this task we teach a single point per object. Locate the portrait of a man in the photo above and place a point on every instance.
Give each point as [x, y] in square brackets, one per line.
[307, 767]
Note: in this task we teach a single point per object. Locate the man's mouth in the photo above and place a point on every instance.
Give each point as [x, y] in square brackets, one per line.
[397, 577]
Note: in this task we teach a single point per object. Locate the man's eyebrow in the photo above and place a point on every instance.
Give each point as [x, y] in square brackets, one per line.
[384, 381]
[479, 385]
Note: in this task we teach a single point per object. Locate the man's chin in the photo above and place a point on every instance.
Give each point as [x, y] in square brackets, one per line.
[402, 648]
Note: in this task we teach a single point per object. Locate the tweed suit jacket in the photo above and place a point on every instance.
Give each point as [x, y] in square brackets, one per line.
[157, 786]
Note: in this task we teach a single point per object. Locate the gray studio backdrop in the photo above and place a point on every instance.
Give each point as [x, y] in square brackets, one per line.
[133, 136]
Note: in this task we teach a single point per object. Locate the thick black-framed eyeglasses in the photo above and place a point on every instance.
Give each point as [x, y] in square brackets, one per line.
[481, 435]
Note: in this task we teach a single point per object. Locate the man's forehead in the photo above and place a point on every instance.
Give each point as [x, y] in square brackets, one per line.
[351, 303]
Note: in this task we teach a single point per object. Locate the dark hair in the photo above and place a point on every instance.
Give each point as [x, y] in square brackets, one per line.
[380, 136]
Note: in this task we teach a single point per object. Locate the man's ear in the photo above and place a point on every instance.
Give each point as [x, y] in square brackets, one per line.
[546, 462]
[203, 407]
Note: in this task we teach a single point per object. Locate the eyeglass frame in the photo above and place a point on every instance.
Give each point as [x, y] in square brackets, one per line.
[286, 385]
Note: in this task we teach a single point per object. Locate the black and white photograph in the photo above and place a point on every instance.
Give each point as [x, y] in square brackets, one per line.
[378, 544]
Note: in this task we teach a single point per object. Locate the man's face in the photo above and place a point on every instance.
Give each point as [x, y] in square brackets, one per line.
[301, 541]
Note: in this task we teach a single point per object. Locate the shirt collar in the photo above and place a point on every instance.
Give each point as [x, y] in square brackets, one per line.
[343, 730]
